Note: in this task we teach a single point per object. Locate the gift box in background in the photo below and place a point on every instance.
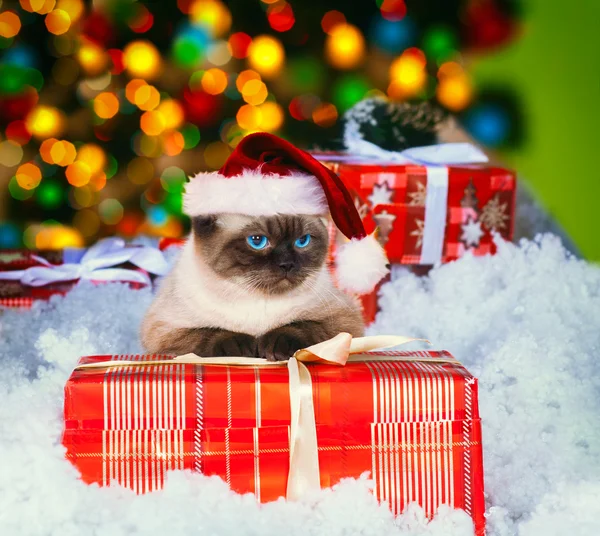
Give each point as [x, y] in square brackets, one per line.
[410, 419]
[430, 214]
[26, 276]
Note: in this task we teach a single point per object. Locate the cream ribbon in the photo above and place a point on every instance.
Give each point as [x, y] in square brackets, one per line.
[304, 476]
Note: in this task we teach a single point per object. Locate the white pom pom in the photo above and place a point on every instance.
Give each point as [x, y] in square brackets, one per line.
[360, 265]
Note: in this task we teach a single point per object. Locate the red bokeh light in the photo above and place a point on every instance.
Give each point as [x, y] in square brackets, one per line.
[281, 17]
[331, 19]
[17, 132]
[393, 9]
[12, 108]
[116, 57]
[239, 43]
[142, 21]
[97, 28]
[295, 109]
[201, 109]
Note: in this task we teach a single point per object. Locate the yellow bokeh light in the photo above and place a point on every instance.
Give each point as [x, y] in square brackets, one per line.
[150, 146]
[249, 117]
[212, 14]
[455, 93]
[78, 173]
[84, 196]
[254, 92]
[271, 116]
[92, 156]
[92, 58]
[152, 123]
[141, 59]
[28, 176]
[106, 105]
[58, 22]
[214, 81]
[407, 74]
[44, 122]
[266, 55]
[345, 46]
[172, 113]
[147, 97]
[10, 24]
[73, 7]
[57, 237]
[46, 149]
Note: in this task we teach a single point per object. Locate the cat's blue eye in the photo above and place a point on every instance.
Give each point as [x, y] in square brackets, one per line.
[303, 241]
[257, 241]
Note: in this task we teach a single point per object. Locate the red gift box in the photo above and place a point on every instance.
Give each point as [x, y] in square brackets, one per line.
[409, 418]
[431, 214]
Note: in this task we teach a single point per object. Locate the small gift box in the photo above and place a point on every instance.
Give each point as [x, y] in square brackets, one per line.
[28, 277]
[429, 204]
[410, 419]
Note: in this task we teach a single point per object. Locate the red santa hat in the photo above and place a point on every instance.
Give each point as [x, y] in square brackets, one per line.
[265, 176]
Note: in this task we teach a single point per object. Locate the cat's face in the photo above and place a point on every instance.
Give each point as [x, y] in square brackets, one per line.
[268, 255]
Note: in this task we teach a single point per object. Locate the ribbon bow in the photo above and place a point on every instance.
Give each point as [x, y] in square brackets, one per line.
[304, 475]
[97, 263]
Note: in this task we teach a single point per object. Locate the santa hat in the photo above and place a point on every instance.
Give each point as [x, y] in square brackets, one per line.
[265, 176]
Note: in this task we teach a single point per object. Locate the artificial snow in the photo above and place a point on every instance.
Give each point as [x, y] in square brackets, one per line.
[524, 321]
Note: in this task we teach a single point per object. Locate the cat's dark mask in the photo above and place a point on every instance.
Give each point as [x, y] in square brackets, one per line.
[269, 255]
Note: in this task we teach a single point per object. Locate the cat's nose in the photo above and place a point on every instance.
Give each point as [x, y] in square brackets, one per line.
[286, 266]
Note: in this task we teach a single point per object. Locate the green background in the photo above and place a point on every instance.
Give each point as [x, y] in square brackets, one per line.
[555, 67]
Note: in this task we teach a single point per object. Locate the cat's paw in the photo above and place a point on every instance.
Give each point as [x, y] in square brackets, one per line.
[239, 345]
[278, 345]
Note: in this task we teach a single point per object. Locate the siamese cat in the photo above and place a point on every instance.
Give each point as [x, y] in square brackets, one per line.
[250, 286]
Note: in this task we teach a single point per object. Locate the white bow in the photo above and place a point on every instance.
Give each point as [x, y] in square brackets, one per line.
[98, 264]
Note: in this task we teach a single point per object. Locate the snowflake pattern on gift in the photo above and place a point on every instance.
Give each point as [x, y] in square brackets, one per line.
[385, 224]
[495, 214]
[361, 208]
[419, 231]
[471, 232]
[417, 199]
[381, 195]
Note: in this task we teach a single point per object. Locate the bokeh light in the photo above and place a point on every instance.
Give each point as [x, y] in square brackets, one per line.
[325, 115]
[266, 55]
[11, 153]
[92, 58]
[58, 22]
[78, 173]
[212, 15]
[50, 194]
[110, 211]
[10, 24]
[254, 92]
[142, 59]
[140, 170]
[407, 74]
[28, 176]
[93, 156]
[215, 154]
[331, 19]
[454, 90]
[146, 97]
[348, 90]
[106, 105]
[281, 16]
[45, 122]
[87, 222]
[172, 113]
[152, 123]
[239, 43]
[345, 46]
[214, 81]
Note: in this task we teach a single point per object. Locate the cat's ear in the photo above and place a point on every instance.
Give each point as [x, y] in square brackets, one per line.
[324, 221]
[204, 225]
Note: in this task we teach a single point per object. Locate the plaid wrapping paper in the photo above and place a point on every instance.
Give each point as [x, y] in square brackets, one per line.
[413, 425]
[480, 201]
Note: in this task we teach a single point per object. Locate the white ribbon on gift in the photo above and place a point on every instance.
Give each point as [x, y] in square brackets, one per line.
[436, 159]
[97, 263]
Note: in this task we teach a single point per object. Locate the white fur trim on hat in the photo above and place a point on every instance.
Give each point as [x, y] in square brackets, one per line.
[254, 194]
[360, 265]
